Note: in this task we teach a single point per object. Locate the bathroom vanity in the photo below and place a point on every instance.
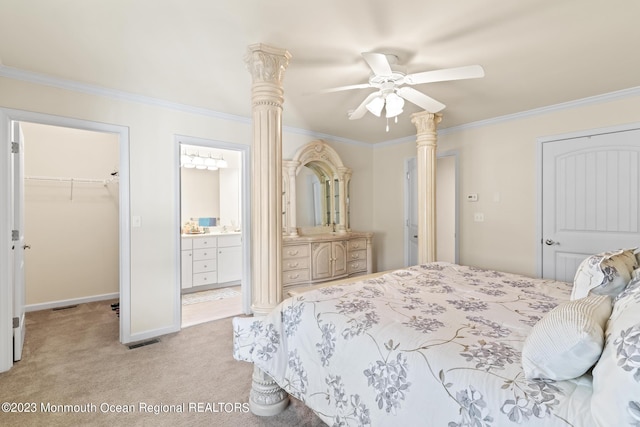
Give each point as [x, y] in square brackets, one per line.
[211, 259]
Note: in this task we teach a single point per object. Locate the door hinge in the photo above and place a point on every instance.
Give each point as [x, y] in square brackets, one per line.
[16, 322]
[15, 235]
[15, 147]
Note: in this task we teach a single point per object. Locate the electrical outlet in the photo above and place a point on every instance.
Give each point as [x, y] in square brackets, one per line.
[478, 217]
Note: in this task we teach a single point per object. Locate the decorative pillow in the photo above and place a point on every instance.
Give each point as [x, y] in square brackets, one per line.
[606, 273]
[616, 376]
[568, 340]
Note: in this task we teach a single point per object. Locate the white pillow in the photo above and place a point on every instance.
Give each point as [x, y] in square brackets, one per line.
[568, 340]
[606, 273]
[616, 376]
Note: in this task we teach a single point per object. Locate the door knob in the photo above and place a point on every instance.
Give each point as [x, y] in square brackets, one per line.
[26, 247]
[550, 242]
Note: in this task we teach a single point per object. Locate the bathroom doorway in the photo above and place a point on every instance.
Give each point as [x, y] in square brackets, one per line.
[213, 230]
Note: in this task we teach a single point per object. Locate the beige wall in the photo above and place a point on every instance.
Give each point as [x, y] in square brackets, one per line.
[498, 158]
[498, 162]
[72, 231]
[153, 181]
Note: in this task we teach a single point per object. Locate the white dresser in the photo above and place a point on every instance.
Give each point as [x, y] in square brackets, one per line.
[316, 258]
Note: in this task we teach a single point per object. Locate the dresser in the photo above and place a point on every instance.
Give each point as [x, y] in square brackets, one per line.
[315, 258]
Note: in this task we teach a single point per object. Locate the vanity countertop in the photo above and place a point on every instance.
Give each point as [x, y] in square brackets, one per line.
[212, 233]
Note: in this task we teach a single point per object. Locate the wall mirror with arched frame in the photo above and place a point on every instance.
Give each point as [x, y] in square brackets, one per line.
[315, 191]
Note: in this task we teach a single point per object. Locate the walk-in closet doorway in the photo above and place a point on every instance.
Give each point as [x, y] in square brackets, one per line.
[71, 192]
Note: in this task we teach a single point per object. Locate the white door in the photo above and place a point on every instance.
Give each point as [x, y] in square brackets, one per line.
[412, 212]
[446, 210]
[590, 197]
[19, 245]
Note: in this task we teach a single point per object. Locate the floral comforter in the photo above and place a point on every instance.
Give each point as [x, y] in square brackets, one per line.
[432, 345]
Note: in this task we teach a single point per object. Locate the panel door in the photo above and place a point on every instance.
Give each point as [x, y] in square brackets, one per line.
[339, 258]
[590, 197]
[19, 245]
[321, 260]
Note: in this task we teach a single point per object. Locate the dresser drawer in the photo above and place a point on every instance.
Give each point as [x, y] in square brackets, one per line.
[204, 266]
[355, 266]
[358, 255]
[204, 242]
[295, 276]
[295, 251]
[201, 254]
[208, 278]
[357, 244]
[295, 264]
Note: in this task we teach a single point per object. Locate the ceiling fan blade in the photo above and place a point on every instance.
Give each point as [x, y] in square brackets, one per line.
[459, 73]
[349, 87]
[420, 99]
[362, 108]
[378, 63]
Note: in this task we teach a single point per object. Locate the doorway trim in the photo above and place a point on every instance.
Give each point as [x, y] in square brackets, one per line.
[455, 155]
[124, 207]
[245, 214]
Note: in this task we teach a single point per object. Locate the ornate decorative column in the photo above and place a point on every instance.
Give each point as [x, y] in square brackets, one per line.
[266, 65]
[427, 141]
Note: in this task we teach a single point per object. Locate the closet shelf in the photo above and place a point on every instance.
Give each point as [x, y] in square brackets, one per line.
[79, 180]
[72, 181]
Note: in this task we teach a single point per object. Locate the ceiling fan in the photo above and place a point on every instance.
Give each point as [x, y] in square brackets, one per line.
[394, 86]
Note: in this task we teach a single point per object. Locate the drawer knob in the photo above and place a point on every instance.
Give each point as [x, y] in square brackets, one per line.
[294, 276]
[293, 264]
[355, 256]
[292, 252]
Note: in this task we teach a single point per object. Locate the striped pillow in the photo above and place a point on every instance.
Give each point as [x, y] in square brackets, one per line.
[568, 340]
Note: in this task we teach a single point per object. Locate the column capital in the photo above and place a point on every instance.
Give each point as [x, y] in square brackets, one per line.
[426, 125]
[267, 64]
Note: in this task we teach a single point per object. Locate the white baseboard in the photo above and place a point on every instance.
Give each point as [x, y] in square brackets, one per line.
[68, 302]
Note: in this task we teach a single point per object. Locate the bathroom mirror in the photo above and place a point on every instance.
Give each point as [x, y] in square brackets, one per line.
[315, 191]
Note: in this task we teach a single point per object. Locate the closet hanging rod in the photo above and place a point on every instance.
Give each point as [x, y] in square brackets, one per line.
[61, 179]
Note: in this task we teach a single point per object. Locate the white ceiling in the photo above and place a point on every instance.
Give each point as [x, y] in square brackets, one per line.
[535, 53]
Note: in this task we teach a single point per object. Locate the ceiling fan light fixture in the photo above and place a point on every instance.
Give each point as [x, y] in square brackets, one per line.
[376, 105]
[394, 105]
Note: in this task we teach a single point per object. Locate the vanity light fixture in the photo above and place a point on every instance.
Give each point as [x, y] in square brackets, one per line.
[203, 161]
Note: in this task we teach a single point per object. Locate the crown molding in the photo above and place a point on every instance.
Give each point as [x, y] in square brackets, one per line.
[46, 80]
[605, 97]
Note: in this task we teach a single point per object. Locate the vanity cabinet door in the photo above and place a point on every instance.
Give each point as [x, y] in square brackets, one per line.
[229, 264]
[187, 269]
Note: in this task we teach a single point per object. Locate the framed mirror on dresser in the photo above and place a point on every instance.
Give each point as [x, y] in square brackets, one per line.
[318, 244]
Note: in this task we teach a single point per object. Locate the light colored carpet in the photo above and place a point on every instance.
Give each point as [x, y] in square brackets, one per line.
[73, 357]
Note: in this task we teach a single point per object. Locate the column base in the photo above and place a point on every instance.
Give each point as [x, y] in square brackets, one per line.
[266, 397]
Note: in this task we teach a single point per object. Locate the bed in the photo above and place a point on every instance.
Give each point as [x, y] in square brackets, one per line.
[442, 344]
